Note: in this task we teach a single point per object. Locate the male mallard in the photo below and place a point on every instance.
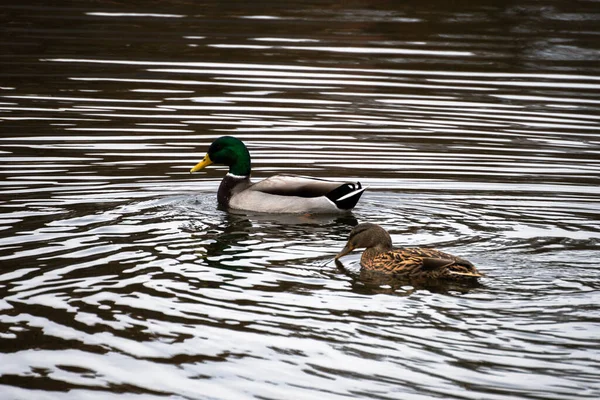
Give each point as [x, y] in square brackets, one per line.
[410, 263]
[279, 193]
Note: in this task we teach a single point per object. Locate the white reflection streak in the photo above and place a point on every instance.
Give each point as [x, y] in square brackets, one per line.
[274, 39]
[392, 95]
[115, 14]
[355, 83]
[249, 108]
[195, 64]
[240, 46]
[205, 83]
[381, 50]
[258, 100]
[82, 99]
[490, 113]
[445, 103]
[545, 98]
[566, 85]
[488, 75]
[261, 17]
[242, 72]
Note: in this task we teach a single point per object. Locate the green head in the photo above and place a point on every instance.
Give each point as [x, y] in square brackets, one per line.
[229, 151]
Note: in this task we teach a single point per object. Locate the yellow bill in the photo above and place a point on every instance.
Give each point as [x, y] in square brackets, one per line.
[202, 164]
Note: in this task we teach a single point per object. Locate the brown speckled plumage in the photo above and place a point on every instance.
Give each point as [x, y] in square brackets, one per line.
[410, 263]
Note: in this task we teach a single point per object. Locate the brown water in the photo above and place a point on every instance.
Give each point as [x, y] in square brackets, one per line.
[476, 128]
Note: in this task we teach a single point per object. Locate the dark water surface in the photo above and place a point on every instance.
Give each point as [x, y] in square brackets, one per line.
[476, 128]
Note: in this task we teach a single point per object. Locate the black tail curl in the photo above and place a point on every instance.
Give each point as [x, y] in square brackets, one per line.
[346, 196]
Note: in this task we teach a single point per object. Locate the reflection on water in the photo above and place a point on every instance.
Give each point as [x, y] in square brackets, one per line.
[475, 130]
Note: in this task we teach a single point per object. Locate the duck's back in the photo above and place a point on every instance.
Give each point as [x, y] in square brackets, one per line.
[295, 194]
[419, 263]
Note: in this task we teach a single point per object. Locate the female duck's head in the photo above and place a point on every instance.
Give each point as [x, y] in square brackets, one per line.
[229, 151]
[367, 236]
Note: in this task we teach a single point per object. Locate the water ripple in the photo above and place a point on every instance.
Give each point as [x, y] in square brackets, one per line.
[476, 136]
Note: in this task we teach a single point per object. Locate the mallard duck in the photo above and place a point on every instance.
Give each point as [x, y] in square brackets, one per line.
[277, 194]
[410, 263]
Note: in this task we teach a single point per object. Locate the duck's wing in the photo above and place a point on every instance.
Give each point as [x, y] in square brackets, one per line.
[453, 265]
[344, 195]
[434, 262]
[296, 185]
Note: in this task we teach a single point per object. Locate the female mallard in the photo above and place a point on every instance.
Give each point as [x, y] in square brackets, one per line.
[410, 263]
[279, 193]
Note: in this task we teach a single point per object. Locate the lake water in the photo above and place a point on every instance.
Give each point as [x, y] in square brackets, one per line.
[476, 128]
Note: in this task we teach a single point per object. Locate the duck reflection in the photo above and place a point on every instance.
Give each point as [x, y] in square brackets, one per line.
[376, 282]
[246, 241]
